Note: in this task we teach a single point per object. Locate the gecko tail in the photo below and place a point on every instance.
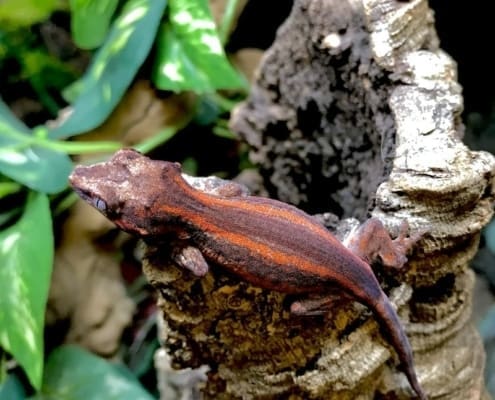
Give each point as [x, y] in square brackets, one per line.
[395, 333]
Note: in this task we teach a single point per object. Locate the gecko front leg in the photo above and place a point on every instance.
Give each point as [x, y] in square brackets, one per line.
[190, 258]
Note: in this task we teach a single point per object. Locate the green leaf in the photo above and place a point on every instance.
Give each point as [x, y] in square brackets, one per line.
[73, 373]
[490, 236]
[113, 67]
[90, 20]
[26, 12]
[46, 74]
[190, 55]
[26, 251]
[8, 188]
[12, 389]
[24, 161]
[207, 110]
[71, 92]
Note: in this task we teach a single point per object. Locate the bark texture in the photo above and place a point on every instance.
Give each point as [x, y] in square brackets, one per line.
[355, 111]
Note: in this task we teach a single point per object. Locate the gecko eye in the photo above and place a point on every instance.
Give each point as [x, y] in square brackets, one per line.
[100, 204]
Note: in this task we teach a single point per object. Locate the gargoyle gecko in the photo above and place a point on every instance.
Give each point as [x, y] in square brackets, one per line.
[266, 242]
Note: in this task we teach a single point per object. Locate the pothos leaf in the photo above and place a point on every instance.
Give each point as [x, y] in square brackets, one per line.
[26, 251]
[190, 55]
[113, 67]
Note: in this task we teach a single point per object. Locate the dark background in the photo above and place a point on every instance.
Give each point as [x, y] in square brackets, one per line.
[464, 31]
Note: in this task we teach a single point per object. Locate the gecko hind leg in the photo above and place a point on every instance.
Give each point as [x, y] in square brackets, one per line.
[372, 243]
[319, 304]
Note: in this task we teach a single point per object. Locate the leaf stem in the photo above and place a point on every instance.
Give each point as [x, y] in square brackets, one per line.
[80, 147]
[163, 135]
[7, 188]
[26, 140]
[227, 21]
[65, 203]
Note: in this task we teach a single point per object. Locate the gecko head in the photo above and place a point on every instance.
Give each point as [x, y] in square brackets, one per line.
[126, 189]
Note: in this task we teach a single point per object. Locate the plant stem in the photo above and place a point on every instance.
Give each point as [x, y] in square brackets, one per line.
[163, 135]
[227, 20]
[80, 147]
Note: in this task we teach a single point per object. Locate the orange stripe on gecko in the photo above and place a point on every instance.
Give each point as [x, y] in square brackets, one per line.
[283, 211]
[264, 251]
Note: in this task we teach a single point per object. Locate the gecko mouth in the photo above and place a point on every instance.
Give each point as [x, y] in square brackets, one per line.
[83, 194]
[76, 186]
[95, 201]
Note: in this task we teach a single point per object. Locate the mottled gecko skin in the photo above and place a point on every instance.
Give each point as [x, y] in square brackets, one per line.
[266, 242]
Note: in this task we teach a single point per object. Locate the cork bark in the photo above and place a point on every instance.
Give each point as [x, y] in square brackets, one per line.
[356, 112]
